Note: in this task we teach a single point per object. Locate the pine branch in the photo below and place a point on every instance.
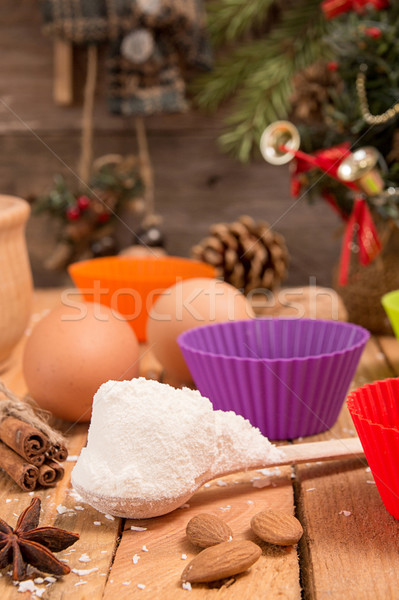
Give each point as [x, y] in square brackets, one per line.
[229, 20]
[259, 74]
[212, 89]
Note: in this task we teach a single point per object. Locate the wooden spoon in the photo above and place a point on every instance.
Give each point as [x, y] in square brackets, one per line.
[293, 454]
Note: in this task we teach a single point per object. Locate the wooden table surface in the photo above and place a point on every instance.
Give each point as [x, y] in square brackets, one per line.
[352, 554]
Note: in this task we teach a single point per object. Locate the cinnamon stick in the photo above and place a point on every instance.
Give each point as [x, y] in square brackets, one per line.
[57, 452]
[50, 473]
[25, 439]
[24, 474]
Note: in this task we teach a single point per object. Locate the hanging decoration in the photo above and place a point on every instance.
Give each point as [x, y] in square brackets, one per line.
[151, 47]
[89, 219]
[356, 170]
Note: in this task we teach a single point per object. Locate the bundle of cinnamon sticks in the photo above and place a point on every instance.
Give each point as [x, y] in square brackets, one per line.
[28, 456]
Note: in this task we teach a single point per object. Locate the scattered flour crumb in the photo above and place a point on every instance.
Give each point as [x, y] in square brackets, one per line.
[104, 551]
[29, 586]
[186, 586]
[72, 458]
[310, 489]
[50, 579]
[221, 483]
[184, 506]
[110, 517]
[82, 572]
[207, 485]
[80, 583]
[225, 508]
[126, 582]
[250, 501]
[346, 513]
[184, 556]
[261, 482]
[144, 549]
[8, 500]
[141, 586]
[61, 510]
[96, 522]
[264, 471]
[31, 493]
[75, 495]
[79, 507]
[84, 558]
[368, 470]
[135, 528]
[135, 559]
[369, 481]
[39, 580]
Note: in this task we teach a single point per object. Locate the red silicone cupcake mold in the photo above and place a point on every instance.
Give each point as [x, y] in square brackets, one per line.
[374, 409]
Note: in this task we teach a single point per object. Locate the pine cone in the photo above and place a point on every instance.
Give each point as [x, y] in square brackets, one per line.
[246, 254]
[312, 92]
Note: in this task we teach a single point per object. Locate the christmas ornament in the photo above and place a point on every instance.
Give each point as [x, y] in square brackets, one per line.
[360, 168]
[389, 115]
[355, 170]
[89, 220]
[151, 47]
[150, 235]
[278, 141]
[334, 8]
[246, 254]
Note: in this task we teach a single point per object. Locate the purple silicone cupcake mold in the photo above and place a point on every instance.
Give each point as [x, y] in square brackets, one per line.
[289, 377]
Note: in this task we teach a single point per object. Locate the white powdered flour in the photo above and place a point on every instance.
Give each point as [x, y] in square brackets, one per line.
[150, 440]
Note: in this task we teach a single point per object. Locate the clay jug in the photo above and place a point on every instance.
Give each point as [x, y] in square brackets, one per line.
[15, 274]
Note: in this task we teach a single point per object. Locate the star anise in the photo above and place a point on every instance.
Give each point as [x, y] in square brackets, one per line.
[29, 544]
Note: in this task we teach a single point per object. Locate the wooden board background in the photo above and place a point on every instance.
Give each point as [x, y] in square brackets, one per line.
[196, 185]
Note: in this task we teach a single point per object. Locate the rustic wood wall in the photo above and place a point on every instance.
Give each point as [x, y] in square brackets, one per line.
[195, 184]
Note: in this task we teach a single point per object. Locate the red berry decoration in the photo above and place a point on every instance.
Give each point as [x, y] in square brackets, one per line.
[73, 213]
[373, 32]
[83, 202]
[104, 217]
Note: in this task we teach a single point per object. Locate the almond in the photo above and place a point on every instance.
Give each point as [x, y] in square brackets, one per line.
[220, 561]
[205, 530]
[277, 527]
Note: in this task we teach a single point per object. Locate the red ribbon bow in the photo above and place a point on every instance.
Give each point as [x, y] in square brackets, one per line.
[360, 225]
[334, 8]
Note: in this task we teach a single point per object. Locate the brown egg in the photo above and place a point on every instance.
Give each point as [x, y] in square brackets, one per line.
[186, 305]
[72, 351]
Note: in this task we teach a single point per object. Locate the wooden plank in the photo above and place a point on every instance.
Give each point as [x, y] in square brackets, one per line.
[63, 73]
[354, 556]
[236, 501]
